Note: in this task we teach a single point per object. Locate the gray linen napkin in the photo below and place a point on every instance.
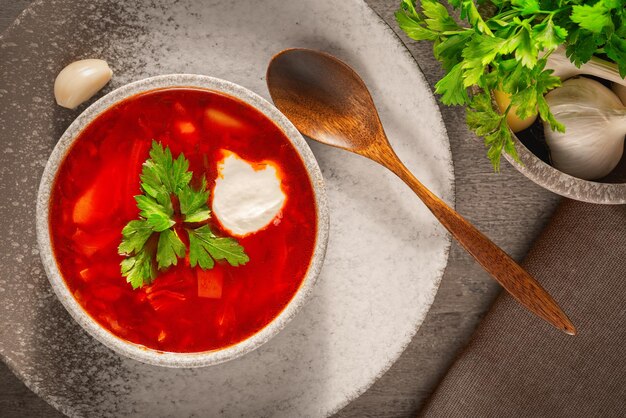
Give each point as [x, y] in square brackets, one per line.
[518, 366]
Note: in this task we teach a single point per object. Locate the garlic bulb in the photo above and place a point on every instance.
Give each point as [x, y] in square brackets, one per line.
[80, 80]
[595, 125]
[620, 90]
[564, 68]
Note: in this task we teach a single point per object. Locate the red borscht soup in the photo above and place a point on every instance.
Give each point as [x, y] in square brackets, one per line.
[185, 308]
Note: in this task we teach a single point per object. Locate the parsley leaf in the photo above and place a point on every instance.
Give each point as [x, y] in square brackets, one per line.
[478, 53]
[139, 269]
[616, 50]
[546, 114]
[526, 7]
[470, 12]
[451, 87]
[548, 35]
[169, 249]
[135, 234]
[450, 50]
[158, 214]
[205, 247]
[527, 99]
[515, 79]
[152, 243]
[437, 17]
[486, 122]
[162, 173]
[593, 18]
[193, 204]
[583, 47]
[527, 49]
[413, 24]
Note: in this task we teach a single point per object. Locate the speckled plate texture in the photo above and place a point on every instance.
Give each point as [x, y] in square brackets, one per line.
[385, 255]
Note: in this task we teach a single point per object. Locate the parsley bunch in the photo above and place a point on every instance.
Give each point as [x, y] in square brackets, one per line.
[506, 48]
[152, 243]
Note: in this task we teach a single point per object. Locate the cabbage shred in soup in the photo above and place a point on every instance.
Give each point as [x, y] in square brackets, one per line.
[260, 201]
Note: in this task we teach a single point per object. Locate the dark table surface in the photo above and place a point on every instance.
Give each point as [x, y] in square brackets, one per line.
[507, 206]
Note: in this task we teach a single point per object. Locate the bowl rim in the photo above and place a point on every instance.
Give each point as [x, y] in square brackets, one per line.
[142, 353]
[564, 184]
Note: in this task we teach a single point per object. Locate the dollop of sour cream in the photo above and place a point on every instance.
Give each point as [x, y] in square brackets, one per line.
[247, 196]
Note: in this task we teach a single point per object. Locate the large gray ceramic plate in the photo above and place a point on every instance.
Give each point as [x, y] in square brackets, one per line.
[385, 256]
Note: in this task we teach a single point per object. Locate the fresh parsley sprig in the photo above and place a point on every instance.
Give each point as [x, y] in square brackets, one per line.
[506, 48]
[151, 243]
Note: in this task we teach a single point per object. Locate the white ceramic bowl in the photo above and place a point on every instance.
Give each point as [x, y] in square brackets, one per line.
[138, 352]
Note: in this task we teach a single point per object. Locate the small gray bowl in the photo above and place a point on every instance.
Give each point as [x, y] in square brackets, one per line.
[138, 352]
[610, 190]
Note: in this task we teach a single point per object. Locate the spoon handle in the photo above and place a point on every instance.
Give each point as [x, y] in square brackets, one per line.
[521, 285]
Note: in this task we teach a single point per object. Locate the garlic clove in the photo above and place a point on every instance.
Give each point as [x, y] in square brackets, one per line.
[595, 124]
[80, 80]
[620, 90]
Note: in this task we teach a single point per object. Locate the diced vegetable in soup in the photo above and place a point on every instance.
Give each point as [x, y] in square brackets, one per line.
[192, 294]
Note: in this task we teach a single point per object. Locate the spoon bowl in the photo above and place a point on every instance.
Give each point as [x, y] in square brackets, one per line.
[328, 102]
[325, 98]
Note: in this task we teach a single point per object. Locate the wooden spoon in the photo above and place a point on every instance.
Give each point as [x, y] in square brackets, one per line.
[328, 102]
